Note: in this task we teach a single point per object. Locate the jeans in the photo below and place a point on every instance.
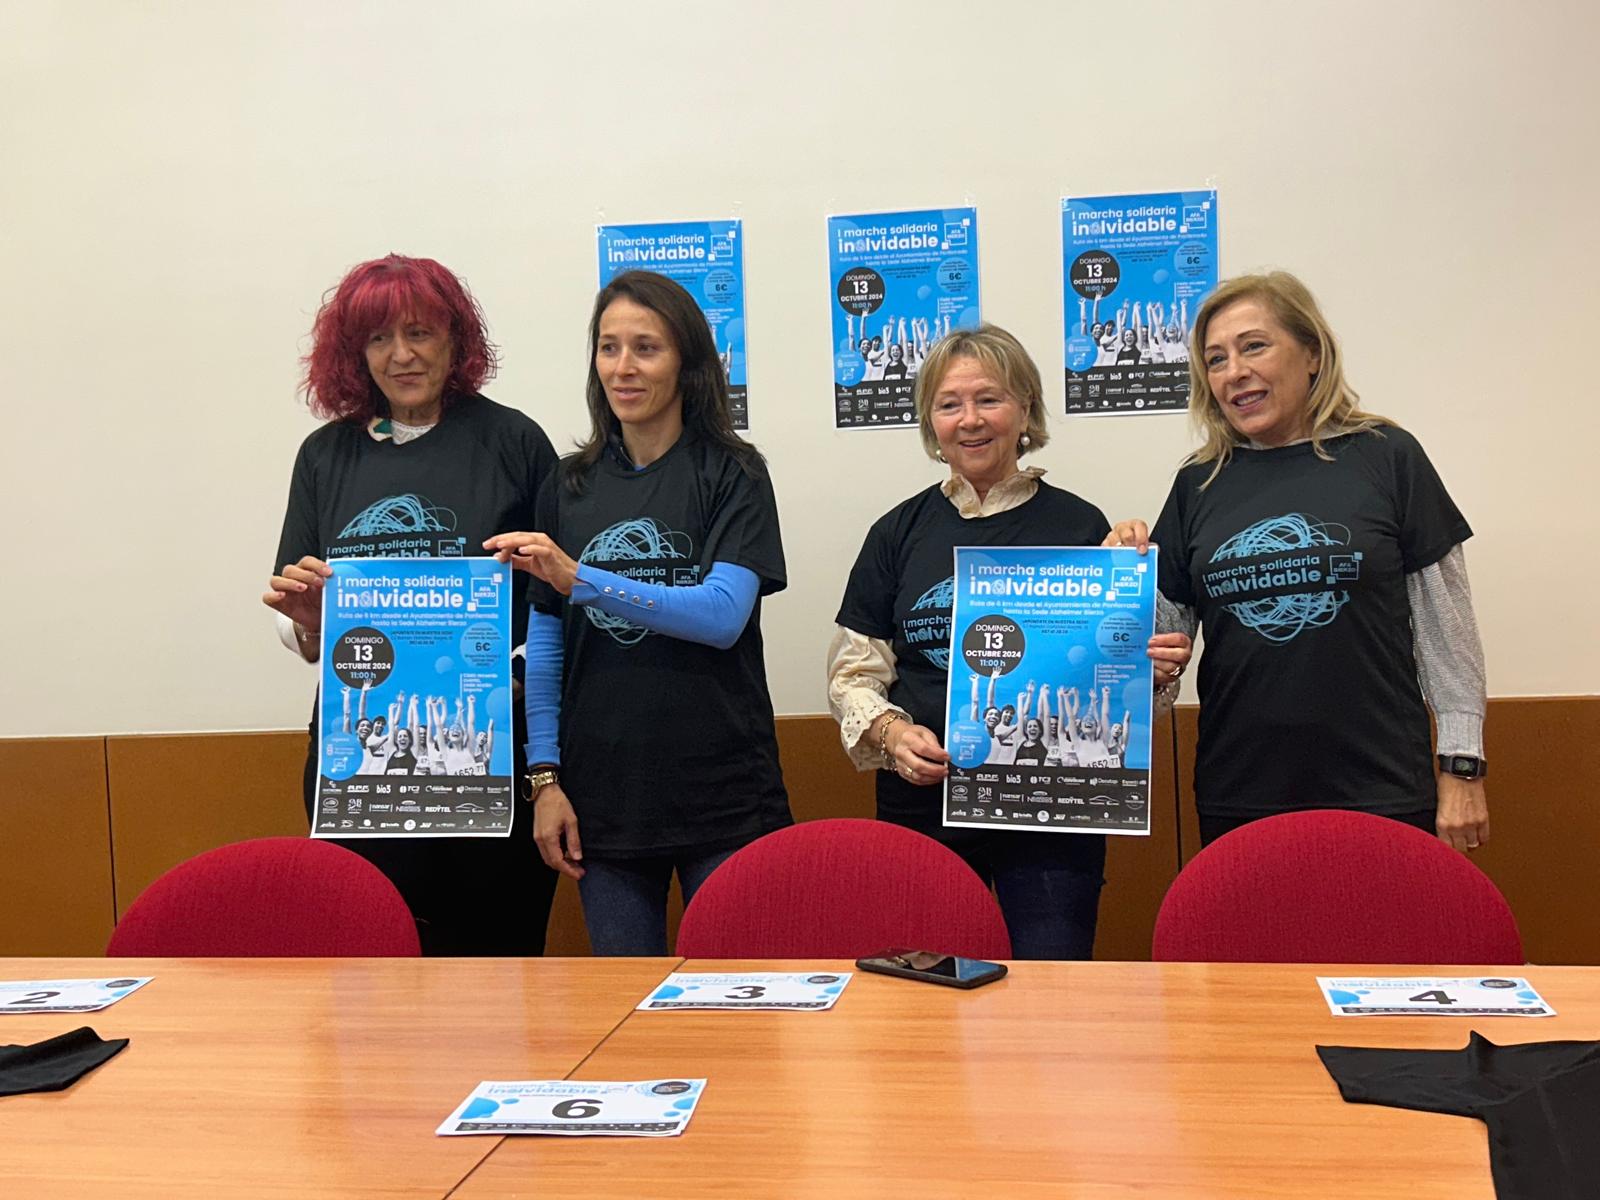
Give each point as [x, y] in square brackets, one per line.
[625, 899]
[1048, 886]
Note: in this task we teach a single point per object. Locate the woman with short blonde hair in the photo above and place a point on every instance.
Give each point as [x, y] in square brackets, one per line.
[1332, 406]
[980, 407]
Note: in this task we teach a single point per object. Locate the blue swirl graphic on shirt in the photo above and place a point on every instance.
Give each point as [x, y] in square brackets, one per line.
[640, 540]
[940, 598]
[1284, 618]
[400, 514]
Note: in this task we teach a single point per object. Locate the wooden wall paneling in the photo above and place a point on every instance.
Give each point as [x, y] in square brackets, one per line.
[55, 847]
[173, 796]
[1544, 821]
[176, 795]
[821, 779]
[1138, 869]
[1544, 848]
[565, 935]
[1186, 721]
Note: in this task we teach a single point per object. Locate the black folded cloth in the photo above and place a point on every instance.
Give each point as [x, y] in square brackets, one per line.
[1540, 1101]
[54, 1064]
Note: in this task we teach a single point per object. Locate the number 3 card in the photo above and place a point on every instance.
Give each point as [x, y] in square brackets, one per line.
[1476, 996]
[65, 995]
[813, 990]
[565, 1107]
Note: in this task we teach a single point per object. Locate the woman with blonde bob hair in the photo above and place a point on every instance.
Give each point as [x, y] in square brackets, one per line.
[1332, 407]
[980, 408]
[1318, 547]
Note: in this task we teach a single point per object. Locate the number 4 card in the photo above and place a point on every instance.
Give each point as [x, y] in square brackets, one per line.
[813, 990]
[1475, 996]
[567, 1108]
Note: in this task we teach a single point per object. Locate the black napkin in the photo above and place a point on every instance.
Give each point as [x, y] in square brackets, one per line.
[1540, 1100]
[54, 1064]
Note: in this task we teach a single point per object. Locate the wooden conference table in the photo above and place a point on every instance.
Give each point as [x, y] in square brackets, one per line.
[326, 1078]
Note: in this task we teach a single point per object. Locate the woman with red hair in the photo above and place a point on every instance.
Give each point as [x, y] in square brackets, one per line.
[413, 460]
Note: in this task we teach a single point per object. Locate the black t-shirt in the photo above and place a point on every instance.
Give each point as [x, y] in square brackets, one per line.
[401, 762]
[1540, 1100]
[901, 589]
[1296, 567]
[667, 746]
[1031, 754]
[475, 474]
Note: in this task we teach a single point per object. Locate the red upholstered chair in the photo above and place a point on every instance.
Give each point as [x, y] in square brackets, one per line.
[842, 888]
[1330, 886]
[273, 897]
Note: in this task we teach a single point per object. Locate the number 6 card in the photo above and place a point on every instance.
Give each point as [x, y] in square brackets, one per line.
[813, 990]
[1475, 996]
[651, 1108]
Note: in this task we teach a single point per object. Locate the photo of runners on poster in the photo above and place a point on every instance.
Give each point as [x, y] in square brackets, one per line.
[707, 258]
[1049, 711]
[901, 281]
[1134, 271]
[416, 737]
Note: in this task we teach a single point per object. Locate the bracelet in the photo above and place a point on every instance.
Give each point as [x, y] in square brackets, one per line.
[883, 734]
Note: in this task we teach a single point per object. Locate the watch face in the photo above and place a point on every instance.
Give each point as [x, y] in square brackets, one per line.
[1465, 766]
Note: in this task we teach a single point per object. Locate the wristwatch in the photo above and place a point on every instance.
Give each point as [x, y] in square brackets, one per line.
[540, 776]
[1463, 766]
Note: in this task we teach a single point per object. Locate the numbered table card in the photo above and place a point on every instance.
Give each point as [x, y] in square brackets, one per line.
[761, 989]
[652, 1108]
[65, 995]
[1476, 996]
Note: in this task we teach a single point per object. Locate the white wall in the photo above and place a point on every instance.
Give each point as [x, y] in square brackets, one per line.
[180, 182]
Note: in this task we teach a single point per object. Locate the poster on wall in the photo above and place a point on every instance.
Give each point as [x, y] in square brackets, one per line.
[1049, 711]
[416, 737]
[707, 258]
[900, 282]
[1134, 271]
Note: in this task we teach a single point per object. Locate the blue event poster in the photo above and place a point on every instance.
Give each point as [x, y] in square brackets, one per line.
[416, 737]
[1049, 710]
[707, 258]
[1134, 271]
[901, 281]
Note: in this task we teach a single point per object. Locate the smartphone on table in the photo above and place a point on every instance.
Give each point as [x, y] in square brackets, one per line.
[930, 966]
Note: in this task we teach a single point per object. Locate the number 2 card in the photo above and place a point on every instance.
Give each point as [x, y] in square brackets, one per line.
[568, 1108]
[1473, 996]
[811, 990]
[65, 995]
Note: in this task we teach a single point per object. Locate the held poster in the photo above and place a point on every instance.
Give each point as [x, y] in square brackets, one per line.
[416, 737]
[1134, 271]
[1049, 711]
[707, 258]
[901, 281]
